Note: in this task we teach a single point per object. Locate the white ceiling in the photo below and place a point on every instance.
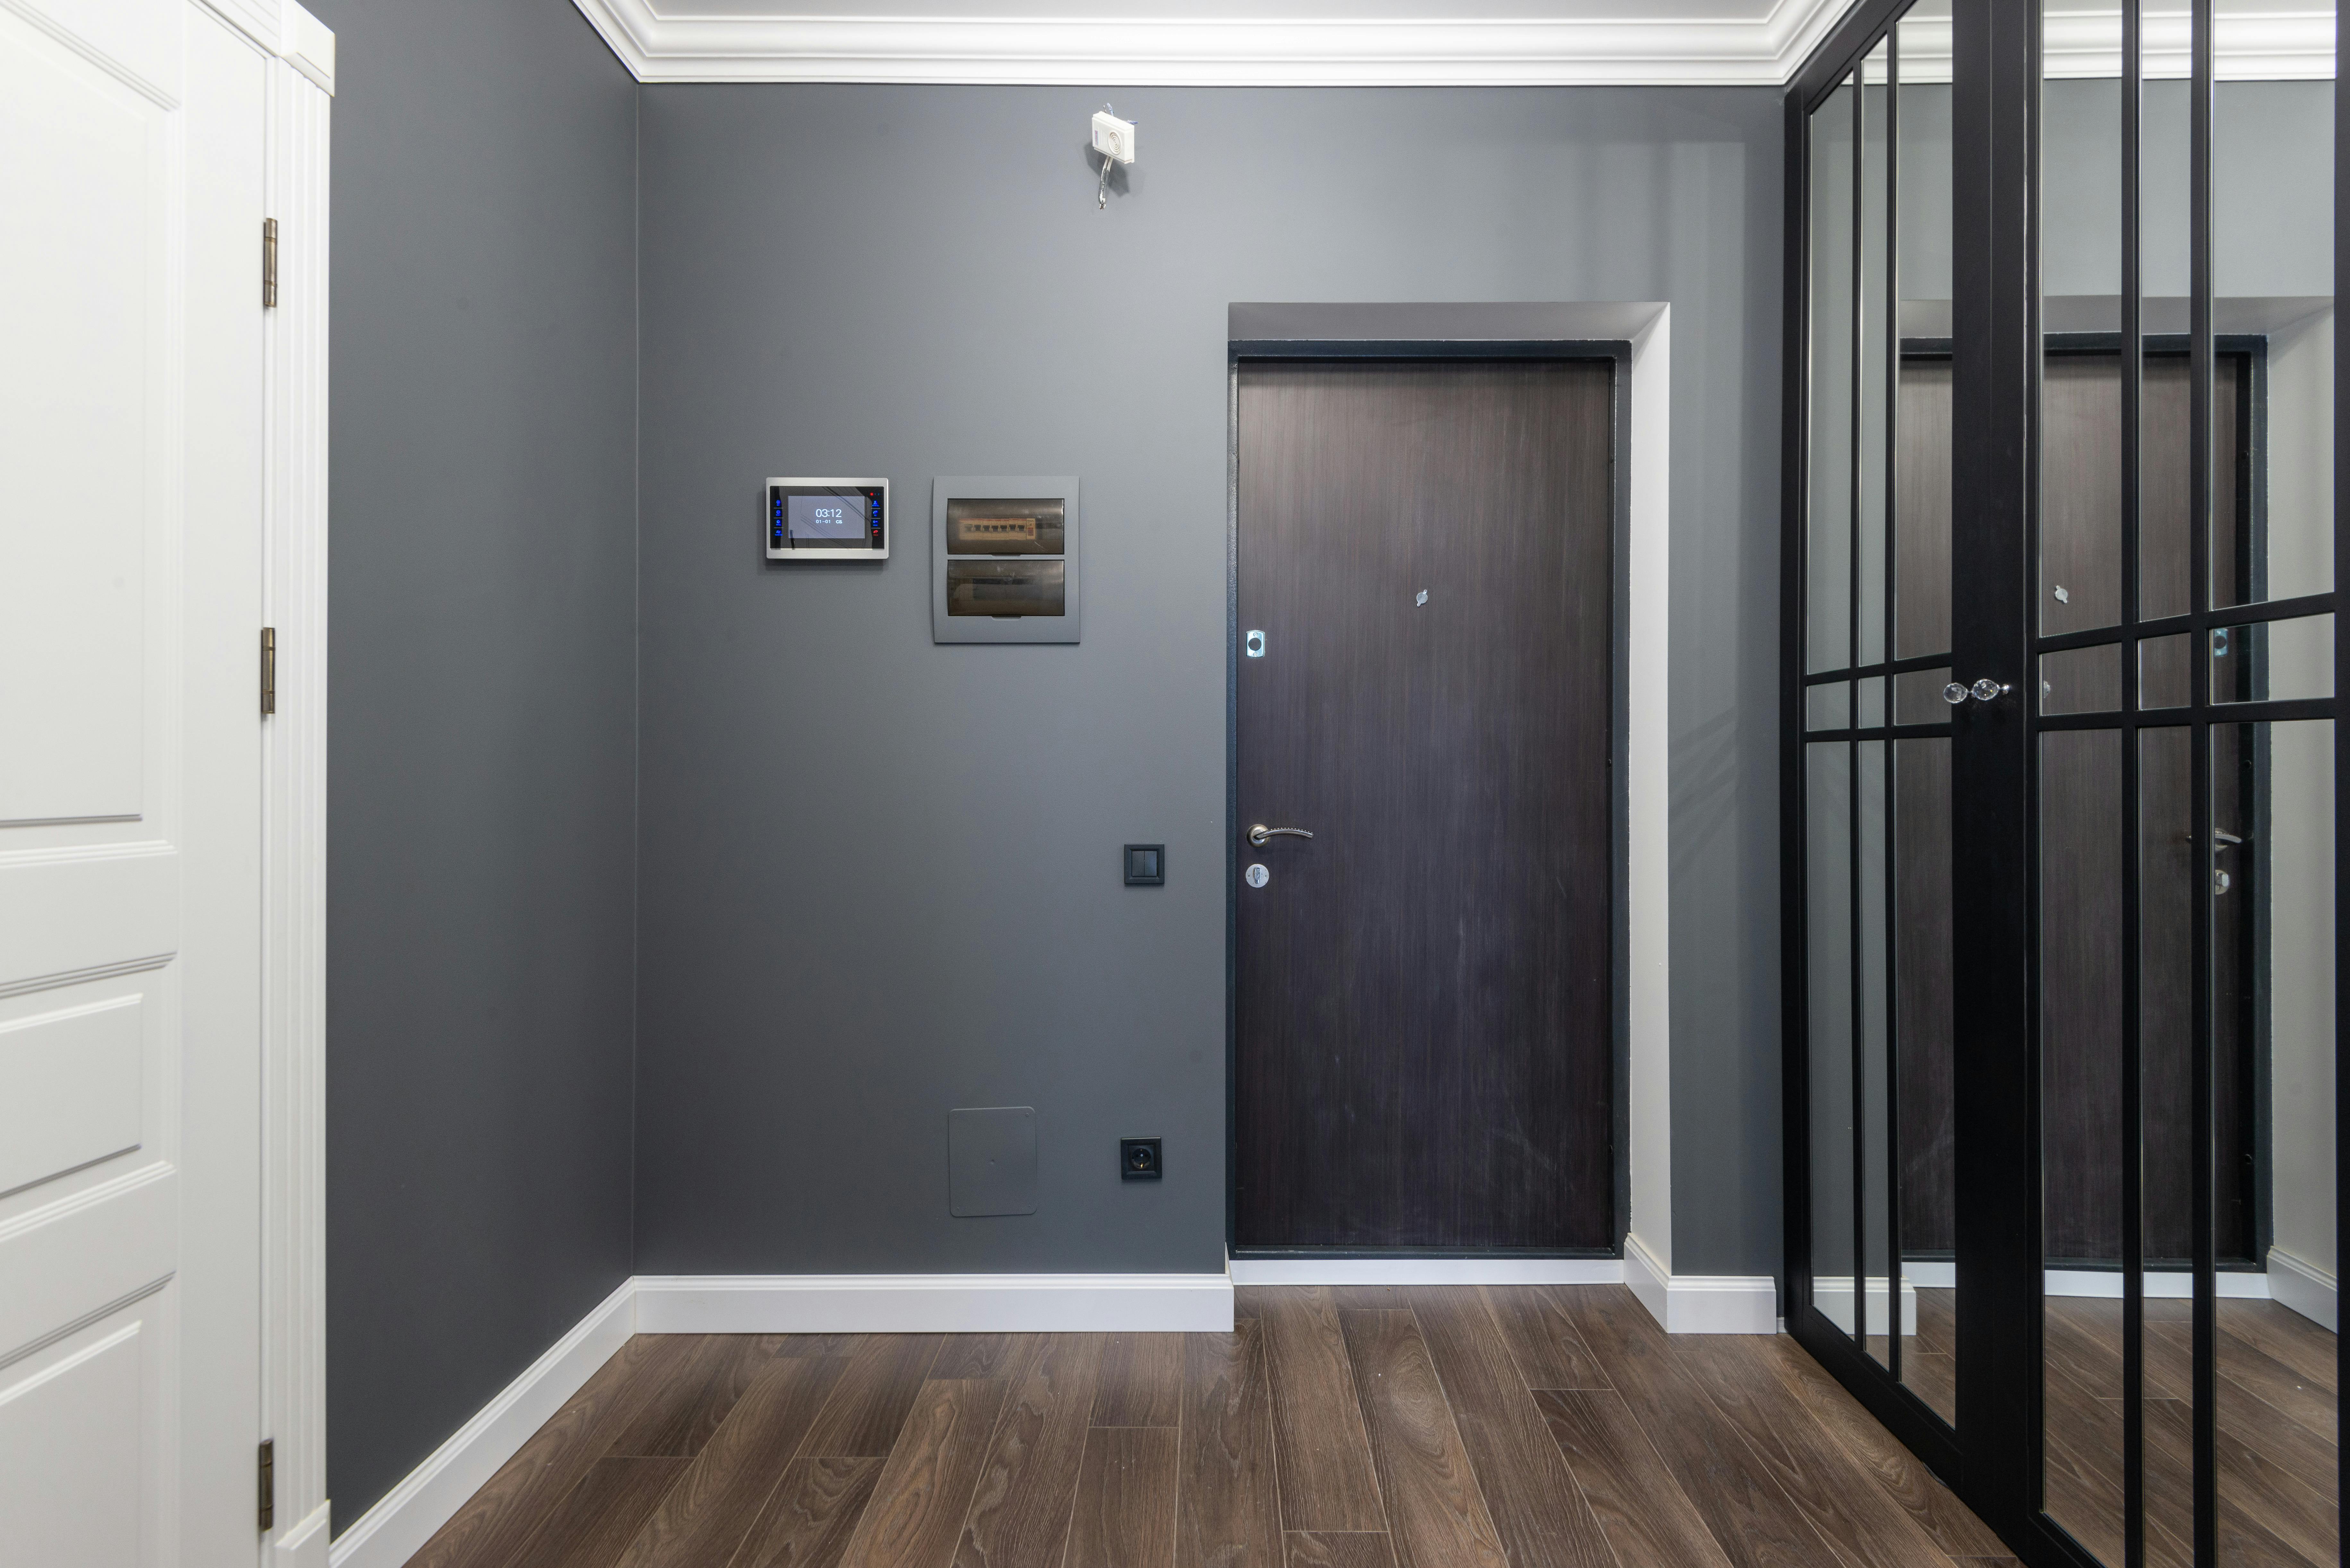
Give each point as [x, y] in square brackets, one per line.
[1336, 42]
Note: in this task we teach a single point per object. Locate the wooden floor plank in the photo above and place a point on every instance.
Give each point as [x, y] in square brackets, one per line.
[811, 1515]
[1537, 1510]
[924, 1492]
[985, 1354]
[1933, 1377]
[819, 1344]
[697, 1400]
[1905, 1478]
[1320, 1446]
[2286, 1439]
[593, 1525]
[1124, 1515]
[2279, 1331]
[2271, 1381]
[493, 1524]
[2081, 1479]
[2082, 1337]
[2254, 1492]
[723, 1492]
[1649, 1519]
[1228, 1507]
[1436, 1515]
[877, 1388]
[1371, 1298]
[1339, 1549]
[1752, 1518]
[1535, 1325]
[1938, 1321]
[1019, 1513]
[1841, 1500]
[1141, 1381]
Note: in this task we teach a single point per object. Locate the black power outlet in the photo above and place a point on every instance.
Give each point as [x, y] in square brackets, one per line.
[1138, 1159]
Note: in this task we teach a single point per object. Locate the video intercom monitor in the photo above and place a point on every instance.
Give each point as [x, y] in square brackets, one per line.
[827, 519]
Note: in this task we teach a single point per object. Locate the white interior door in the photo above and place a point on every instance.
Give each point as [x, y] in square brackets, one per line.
[131, 482]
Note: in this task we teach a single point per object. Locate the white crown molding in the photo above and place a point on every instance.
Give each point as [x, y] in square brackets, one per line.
[2271, 46]
[1222, 52]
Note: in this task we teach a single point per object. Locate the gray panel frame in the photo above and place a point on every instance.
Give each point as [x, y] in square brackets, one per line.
[1061, 628]
[1470, 331]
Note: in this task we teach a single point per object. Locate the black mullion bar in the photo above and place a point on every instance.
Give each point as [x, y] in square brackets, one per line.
[2133, 368]
[2033, 1143]
[2258, 613]
[2341, 683]
[2200, 482]
[1893, 1323]
[1889, 668]
[2281, 710]
[1898, 732]
[1852, 752]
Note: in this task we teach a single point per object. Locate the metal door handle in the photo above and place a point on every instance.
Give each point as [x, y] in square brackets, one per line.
[1260, 832]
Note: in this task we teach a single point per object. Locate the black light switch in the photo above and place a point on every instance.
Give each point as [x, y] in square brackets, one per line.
[1146, 865]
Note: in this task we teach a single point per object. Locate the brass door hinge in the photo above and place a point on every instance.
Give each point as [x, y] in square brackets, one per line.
[269, 264]
[268, 670]
[268, 1511]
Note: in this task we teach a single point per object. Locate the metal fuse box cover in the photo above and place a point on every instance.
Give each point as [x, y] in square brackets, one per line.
[1005, 589]
[1006, 558]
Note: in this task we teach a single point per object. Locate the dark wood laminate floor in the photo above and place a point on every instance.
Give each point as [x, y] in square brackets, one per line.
[1546, 1426]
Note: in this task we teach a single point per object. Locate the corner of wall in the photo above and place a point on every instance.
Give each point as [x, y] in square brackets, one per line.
[1647, 767]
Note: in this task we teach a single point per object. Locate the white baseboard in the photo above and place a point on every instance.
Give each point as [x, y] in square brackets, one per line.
[2161, 1284]
[1700, 1303]
[2302, 1286]
[1832, 1296]
[1427, 1271]
[933, 1304]
[303, 1546]
[397, 1526]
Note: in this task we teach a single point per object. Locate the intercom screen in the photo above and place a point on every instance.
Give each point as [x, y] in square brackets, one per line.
[830, 517]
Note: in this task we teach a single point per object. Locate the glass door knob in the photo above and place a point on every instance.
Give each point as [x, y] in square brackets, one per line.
[1983, 691]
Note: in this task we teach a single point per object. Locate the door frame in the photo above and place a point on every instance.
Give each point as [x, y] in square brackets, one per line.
[301, 104]
[1471, 333]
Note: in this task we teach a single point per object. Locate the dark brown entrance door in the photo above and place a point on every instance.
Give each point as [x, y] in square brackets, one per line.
[1425, 1050]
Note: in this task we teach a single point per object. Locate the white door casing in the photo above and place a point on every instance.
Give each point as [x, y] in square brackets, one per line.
[137, 469]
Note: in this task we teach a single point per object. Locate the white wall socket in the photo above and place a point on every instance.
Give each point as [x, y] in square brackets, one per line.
[1113, 137]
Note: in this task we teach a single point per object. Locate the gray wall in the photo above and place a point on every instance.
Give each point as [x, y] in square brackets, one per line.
[481, 792]
[880, 877]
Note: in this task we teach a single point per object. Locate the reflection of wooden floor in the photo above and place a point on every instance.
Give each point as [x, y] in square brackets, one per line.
[2276, 1426]
[1929, 1358]
[2278, 1464]
[2277, 1429]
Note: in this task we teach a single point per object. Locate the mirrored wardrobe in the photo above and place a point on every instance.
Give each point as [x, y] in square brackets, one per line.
[2059, 794]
